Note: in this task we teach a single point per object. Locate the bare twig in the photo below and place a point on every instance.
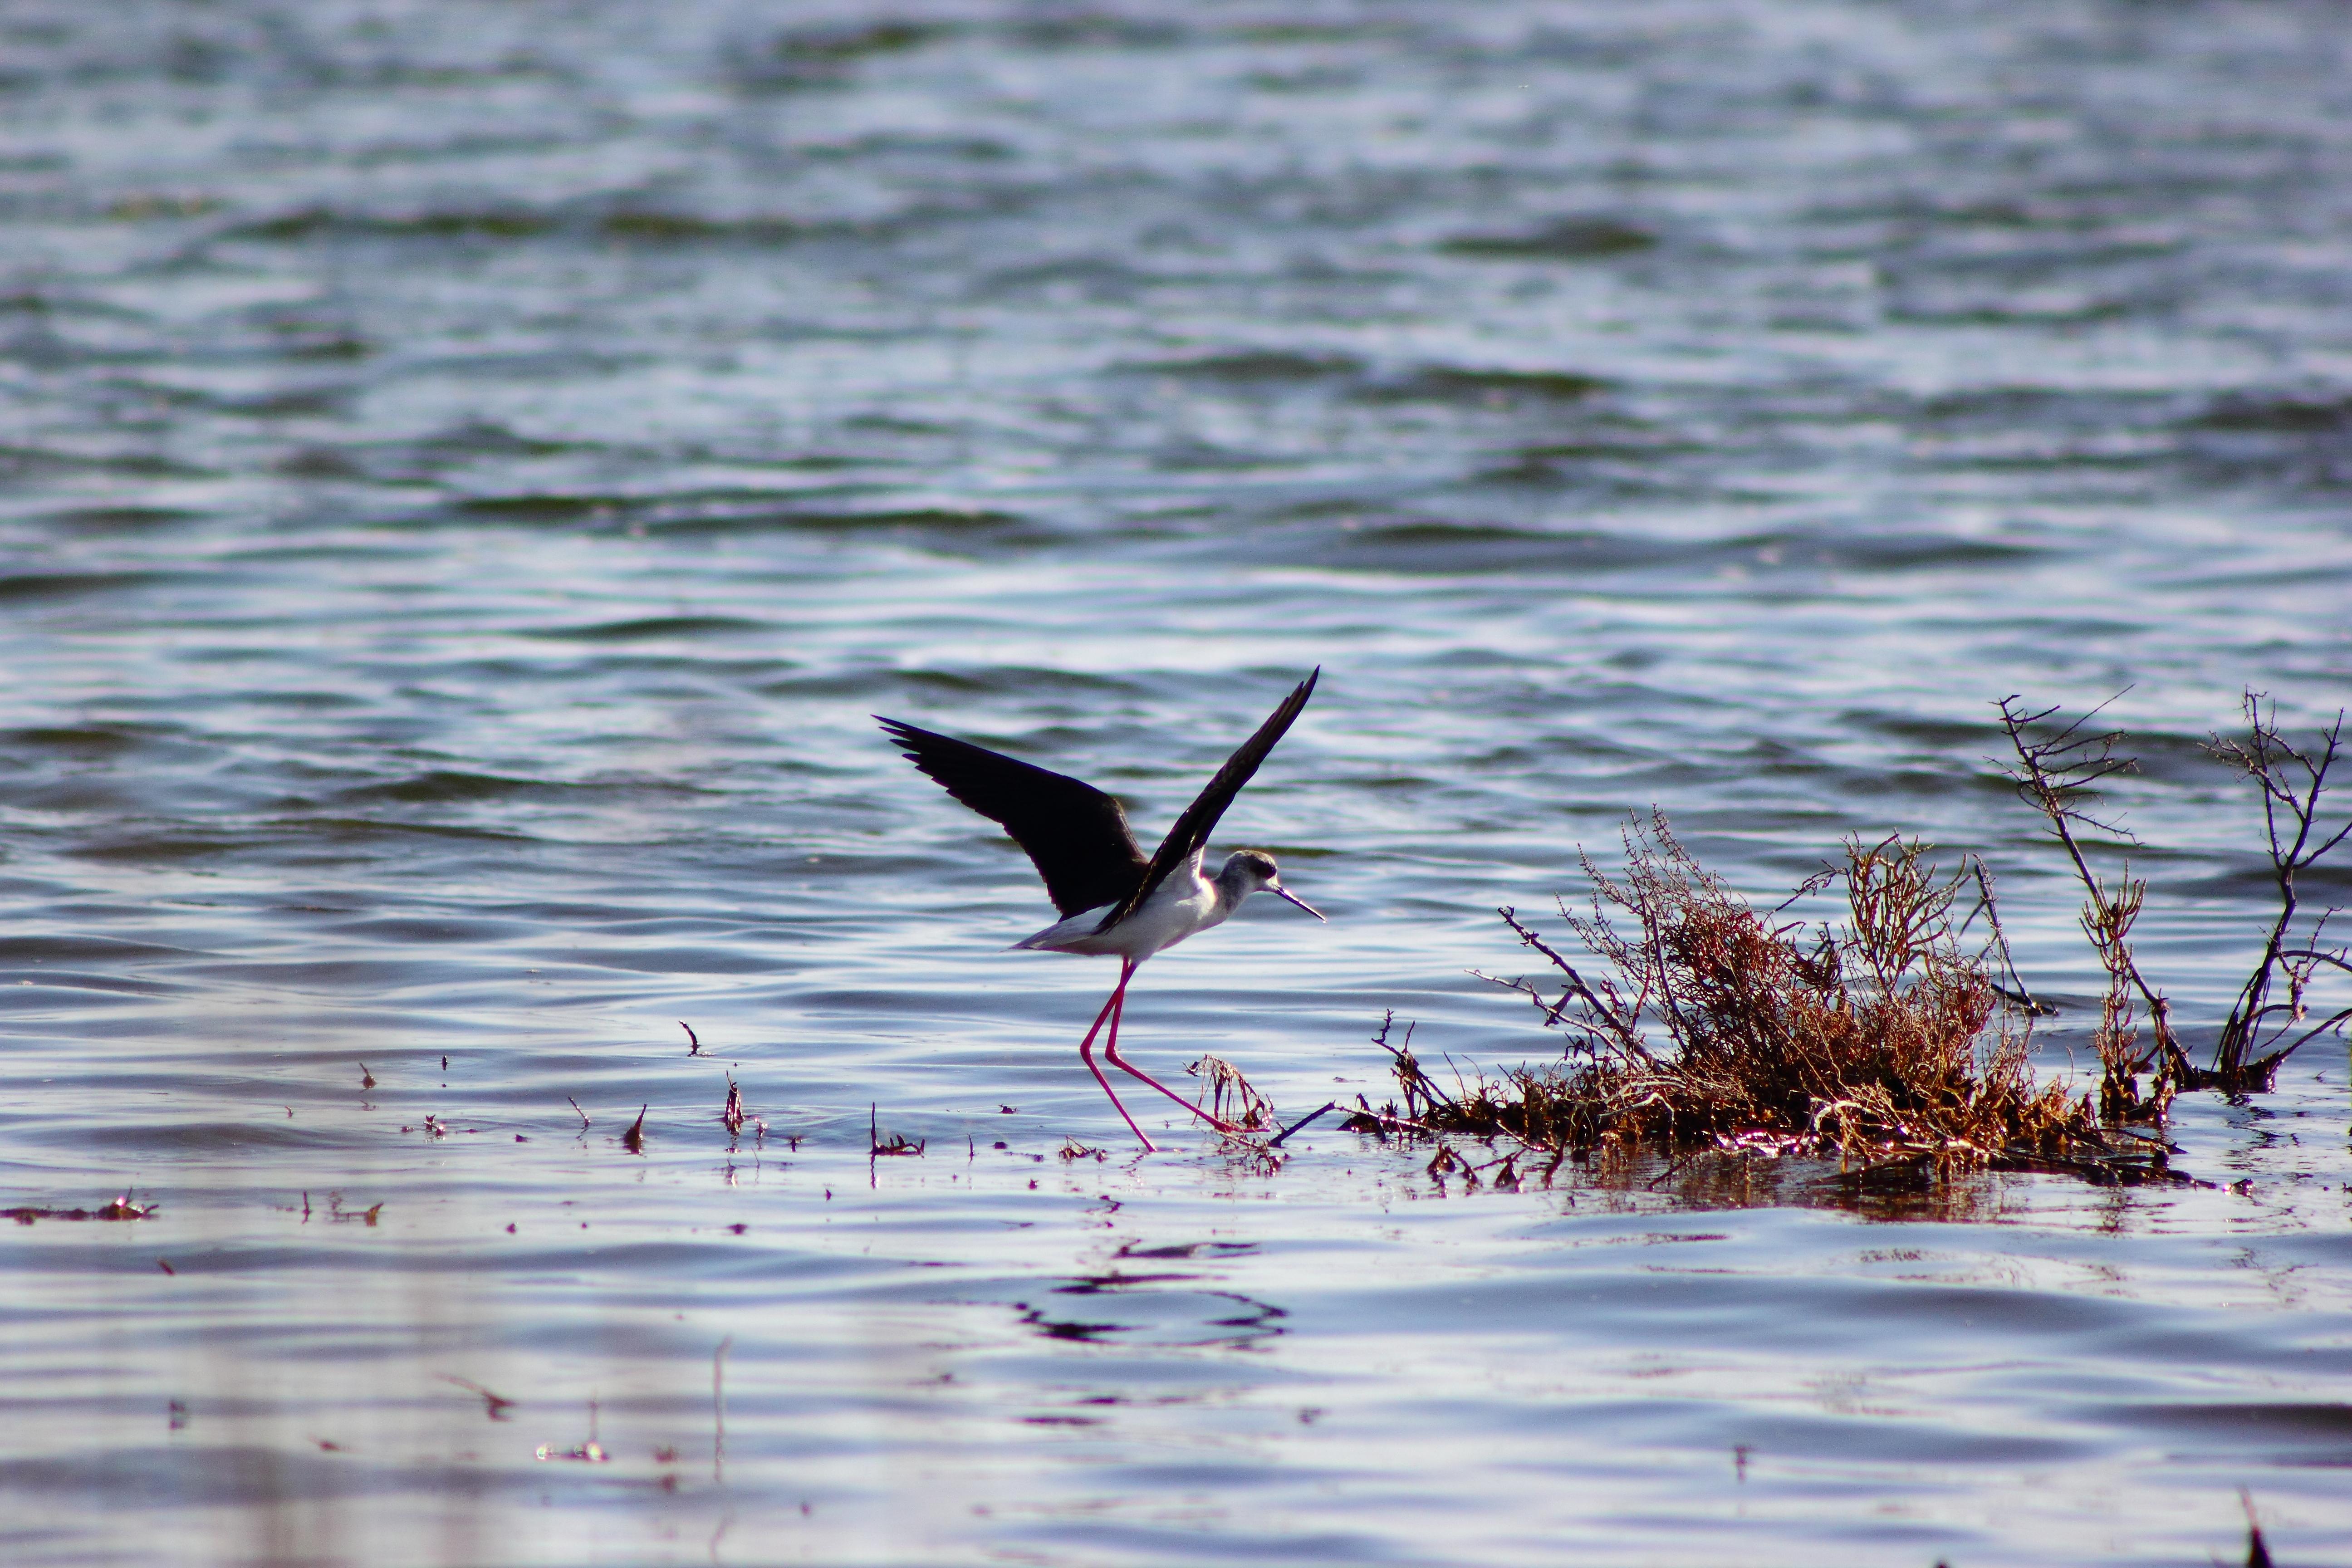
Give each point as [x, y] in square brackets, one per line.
[2056, 774]
[719, 1410]
[495, 1405]
[2290, 783]
[1279, 1138]
[897, 1145]
[1225, 1083]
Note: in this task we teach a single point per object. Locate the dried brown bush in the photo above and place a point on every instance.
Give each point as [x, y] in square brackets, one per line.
[1876, 1037]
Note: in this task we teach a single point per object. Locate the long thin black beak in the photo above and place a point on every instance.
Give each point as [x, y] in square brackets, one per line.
[1287, 897]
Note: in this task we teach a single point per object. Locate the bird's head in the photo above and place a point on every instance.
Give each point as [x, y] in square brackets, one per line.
[1247, 871]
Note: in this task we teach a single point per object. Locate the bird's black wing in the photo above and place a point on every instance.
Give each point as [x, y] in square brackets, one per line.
[1076, 834]
[1199, 819]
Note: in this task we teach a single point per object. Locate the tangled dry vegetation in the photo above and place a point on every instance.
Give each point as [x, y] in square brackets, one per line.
[1875, 1038]
[1884, 1035]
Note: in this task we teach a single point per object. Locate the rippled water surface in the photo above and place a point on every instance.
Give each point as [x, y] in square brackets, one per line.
[468, 472]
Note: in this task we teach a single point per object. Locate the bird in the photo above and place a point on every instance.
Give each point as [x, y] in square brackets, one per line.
[1113, 901]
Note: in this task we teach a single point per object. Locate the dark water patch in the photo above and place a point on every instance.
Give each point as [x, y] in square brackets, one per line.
[106, 519]
[1090, 29]
[2275, 1432]
[1893, 550]
[1096, 279]
[2244, 412]
[1567, 239]
[489, 439]
[1489, 388]
[90, 743]
[1925, 731]
[569, 366]
[460, 148]
[246, 1476]
[1435, 545]
[1305, 79]
[1966, 312]
[895, 425]
[30, 986]
[1254, 365]
[804, 59]
[653, 626]
[429, 930]
[2251, 882]
[680, 228]
[42, 949]
[161, 848]
[1016, 681]
[2023, 406]
[294, 403]
[37, 588]
[1531, 473]
[1918, 784]
[325, 222]
[1301, 30]
[357, 831]
[442, 787]
[2061, 460]
[26, 462]
[341, 349]
[703, 959]
[685, 511]
[905, 145]
[940, 527]
[1611, 441]
[541, 508]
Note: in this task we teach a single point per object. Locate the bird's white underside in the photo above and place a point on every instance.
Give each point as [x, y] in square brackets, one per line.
[1184, 903]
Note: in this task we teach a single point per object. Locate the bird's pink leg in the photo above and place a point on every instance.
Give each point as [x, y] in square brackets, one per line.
[1087, 1053]
[1110, 1052]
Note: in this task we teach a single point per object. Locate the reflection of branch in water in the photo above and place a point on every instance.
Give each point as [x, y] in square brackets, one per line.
[719, 1410]
[494, 1406]
[120, 1208]
[1258, 1320]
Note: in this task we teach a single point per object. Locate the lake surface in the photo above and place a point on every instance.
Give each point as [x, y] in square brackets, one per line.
[469, 473]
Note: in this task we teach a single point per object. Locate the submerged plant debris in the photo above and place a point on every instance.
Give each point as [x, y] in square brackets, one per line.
[1879, 1037]
[1231, 1097]
[878, 1147]
[117, 1209]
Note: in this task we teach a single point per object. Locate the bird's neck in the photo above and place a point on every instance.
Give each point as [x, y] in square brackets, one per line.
[1231, 890]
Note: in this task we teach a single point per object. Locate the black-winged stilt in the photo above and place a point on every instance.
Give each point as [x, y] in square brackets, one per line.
[1113, 900]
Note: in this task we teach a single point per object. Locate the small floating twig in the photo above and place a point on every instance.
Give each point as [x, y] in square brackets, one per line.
[121, 1208]
[494, 1406]
[1328, 1106]
[898, 1144]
